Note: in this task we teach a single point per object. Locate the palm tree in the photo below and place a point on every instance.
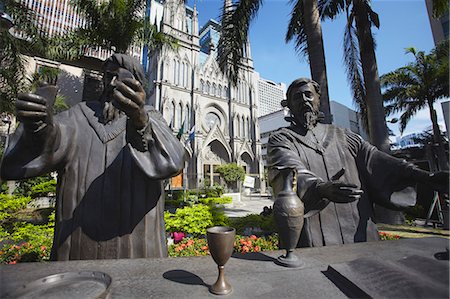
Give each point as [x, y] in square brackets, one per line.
[359, 57]
[418, 85]
[113, 25]
[304, 28]
[27, 38]
[440, 8]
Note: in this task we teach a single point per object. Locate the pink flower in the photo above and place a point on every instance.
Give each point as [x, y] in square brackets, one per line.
[178, 236]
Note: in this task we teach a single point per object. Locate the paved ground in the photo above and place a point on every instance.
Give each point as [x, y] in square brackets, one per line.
[253, 204]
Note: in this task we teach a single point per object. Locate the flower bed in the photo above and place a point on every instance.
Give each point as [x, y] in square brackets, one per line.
[387, 236]
[242, 244]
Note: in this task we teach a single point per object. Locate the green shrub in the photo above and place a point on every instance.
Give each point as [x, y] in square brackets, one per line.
[231, 172]
[10, 204]
[23, 187]
[195, 219]
[34, 242]
[216, 200]
[266, 223]
[215, 191]
[43, 189]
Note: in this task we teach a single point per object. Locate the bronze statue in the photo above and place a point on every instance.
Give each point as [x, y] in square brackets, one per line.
[339, 175]
[111, 156]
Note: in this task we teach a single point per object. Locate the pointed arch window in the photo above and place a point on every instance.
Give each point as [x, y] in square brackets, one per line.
[219, 91]
[172, 116]
[214, 89]
[174, 71]
[187, 118]
[208, 87]
[178, 116]
[238, 125]
[202, 85]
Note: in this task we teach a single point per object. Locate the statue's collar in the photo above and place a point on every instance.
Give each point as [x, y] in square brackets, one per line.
[92, 110]
[316, 138]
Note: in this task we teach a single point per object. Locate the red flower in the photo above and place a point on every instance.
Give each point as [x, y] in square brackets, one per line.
[12, 262]
[245, 249]
[257, 249]
[253, 237]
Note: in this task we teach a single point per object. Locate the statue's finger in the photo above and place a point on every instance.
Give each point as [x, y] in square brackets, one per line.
[133, 84]
[30, 115]
[125, 90]
[31, 97]
[351, 190]
[30, 106]
[123, 103]
[345, 185]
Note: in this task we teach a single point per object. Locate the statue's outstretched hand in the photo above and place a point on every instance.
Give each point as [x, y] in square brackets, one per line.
[339, 192]
[439, 181]
[32, 110]
[129, 97]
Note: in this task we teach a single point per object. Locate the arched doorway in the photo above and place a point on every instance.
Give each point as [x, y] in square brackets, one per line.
[214, 154]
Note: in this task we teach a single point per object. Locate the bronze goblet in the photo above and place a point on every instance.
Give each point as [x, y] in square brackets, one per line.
[220, 243]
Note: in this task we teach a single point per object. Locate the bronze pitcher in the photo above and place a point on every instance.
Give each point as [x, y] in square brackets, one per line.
[288, 211]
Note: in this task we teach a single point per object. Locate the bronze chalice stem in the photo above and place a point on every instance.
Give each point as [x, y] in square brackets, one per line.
[221, 243]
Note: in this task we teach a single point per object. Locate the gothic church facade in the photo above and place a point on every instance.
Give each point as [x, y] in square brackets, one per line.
[196, 98]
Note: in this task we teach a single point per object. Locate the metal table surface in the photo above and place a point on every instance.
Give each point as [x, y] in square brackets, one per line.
[252, 275]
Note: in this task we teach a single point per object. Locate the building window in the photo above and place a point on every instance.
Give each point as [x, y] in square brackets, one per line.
[202, 86]
[219, 91]
[178, 116]
[214, 89]
[208, 87]
[174, 71]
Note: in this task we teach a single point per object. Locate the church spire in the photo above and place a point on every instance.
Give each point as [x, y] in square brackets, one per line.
[195, 20]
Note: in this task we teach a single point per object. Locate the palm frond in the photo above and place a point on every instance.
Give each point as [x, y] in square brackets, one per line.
[235, 20]
[352, 62]
[406, 117]
[440, 8]
[296, 28]
[330, 9]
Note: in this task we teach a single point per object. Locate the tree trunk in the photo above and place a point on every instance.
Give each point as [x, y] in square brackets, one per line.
[313, 30]
[374, 101]
[438, 146]
[378, 132]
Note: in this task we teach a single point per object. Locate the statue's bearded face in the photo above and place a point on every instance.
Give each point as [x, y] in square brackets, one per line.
[304, 102]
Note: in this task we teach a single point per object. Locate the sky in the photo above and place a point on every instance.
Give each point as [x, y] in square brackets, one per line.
[403, 24]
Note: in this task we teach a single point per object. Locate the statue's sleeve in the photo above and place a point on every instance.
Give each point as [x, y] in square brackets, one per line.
[154, 149]
[383, 175]
[31, 154]
[282, 153]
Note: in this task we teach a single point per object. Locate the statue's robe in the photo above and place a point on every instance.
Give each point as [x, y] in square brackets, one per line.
[110, 197]
[317, 156]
